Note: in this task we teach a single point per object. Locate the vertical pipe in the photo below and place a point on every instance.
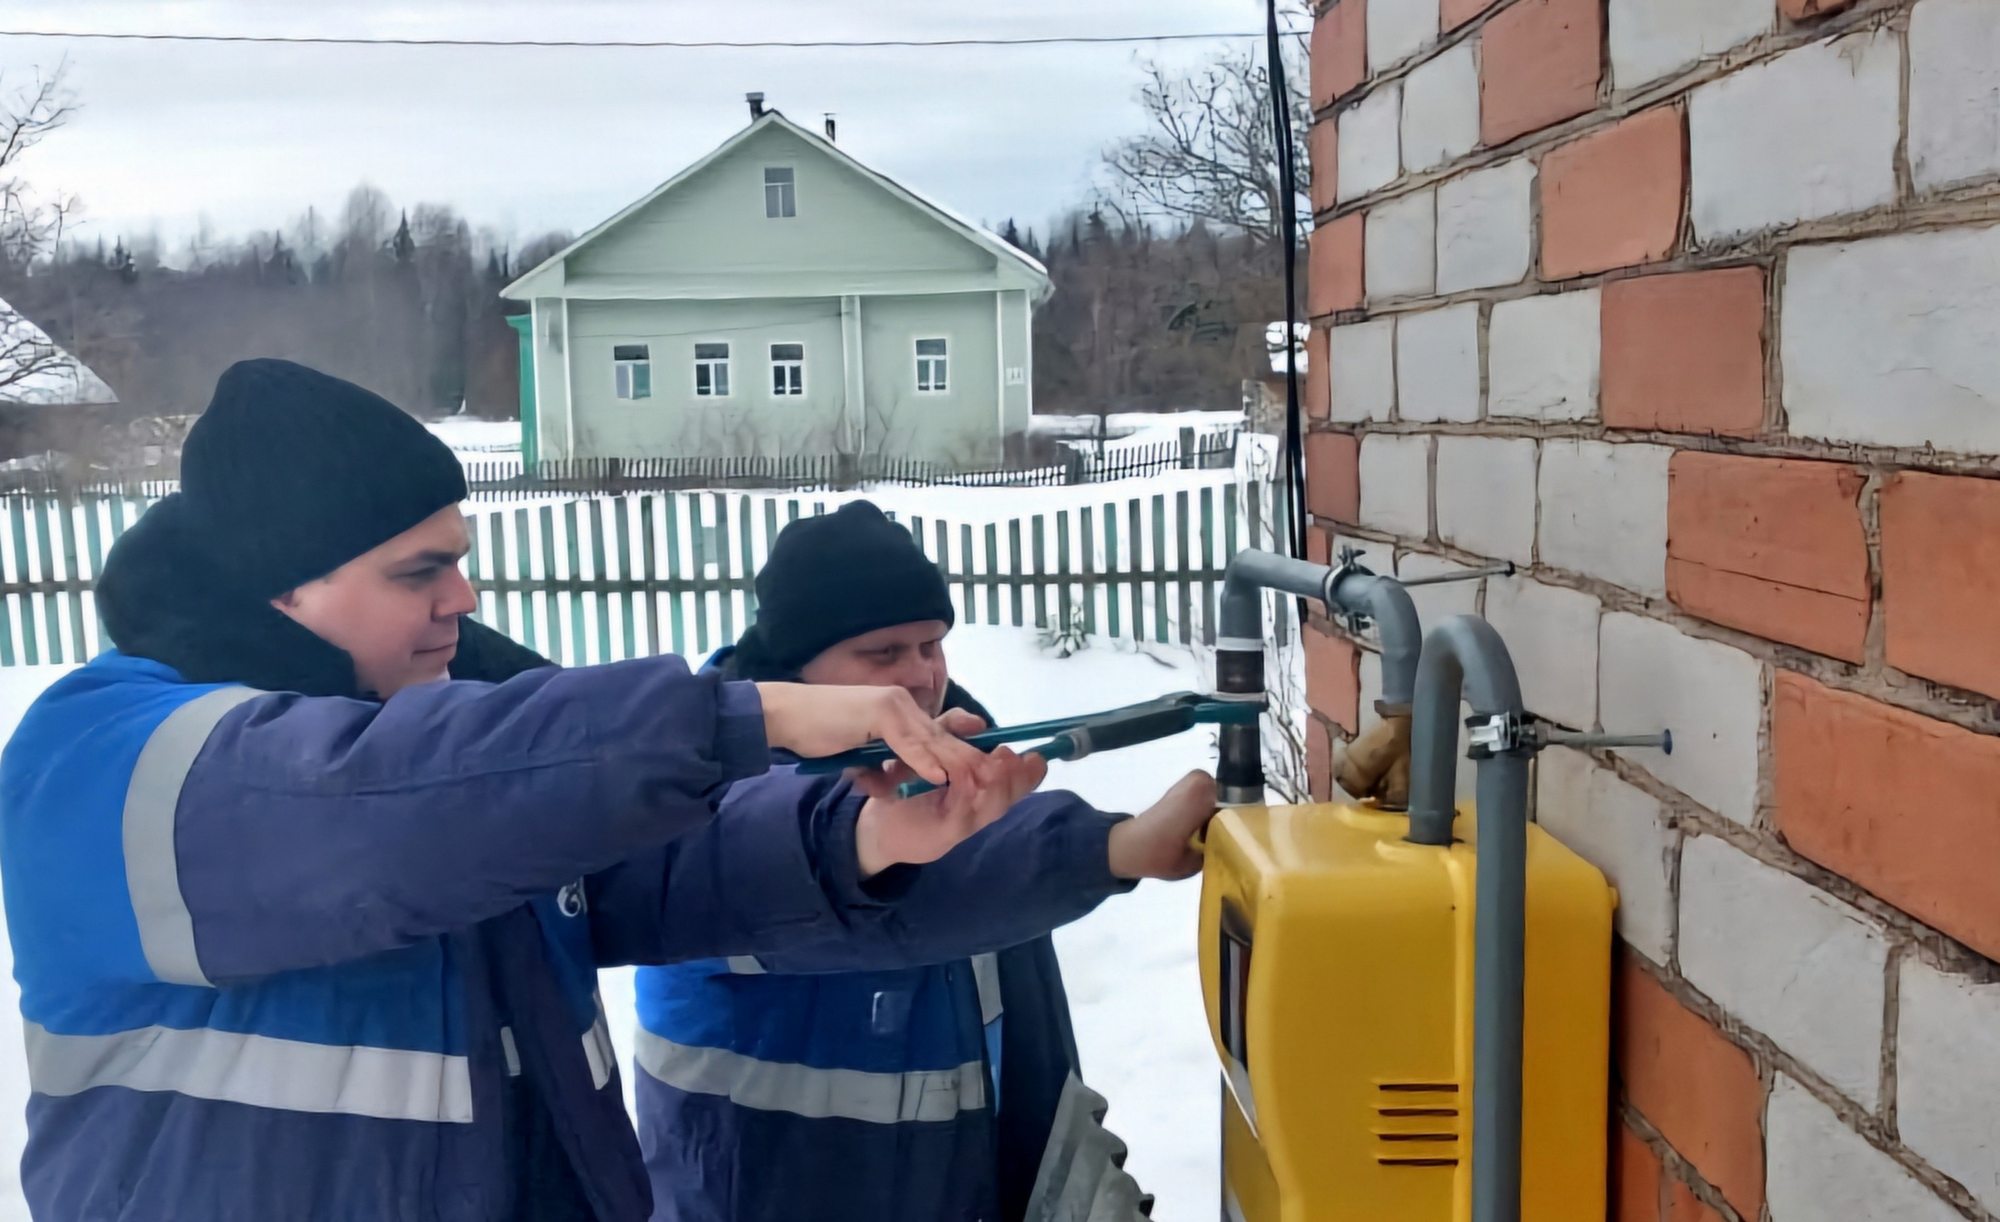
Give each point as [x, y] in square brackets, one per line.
[1465, 656]
[1239, 673]
[1239, 659]
[1498, 989]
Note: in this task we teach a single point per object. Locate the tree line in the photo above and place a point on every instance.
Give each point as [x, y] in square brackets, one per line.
[405, 302]
[1166, 280]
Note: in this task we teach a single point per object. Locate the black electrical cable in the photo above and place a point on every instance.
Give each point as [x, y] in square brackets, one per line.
[1281, 118]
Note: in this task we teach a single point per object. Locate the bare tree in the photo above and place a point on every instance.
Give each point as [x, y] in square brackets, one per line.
[31, 230]
[365, 220]
[1210, 153]
[538, 250]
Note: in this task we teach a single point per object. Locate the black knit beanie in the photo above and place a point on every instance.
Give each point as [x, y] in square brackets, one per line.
[291, 473]
[834, 577]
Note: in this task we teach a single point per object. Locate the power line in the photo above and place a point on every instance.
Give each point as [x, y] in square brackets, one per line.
[654, 44]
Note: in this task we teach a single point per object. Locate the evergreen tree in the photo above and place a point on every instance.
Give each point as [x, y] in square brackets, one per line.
[403, 246]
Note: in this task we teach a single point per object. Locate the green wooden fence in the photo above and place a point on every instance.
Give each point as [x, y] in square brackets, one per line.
[615, 577]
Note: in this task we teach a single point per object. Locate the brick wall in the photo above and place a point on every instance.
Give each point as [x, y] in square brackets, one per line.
[1692, 309]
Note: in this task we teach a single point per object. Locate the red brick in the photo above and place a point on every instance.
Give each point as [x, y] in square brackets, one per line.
[1333, 477]
[1539, 63]
[1800, 10]
[1339, 51]
[1635, 1179]
[1941, 578]
[1455, 13]
[1323, 160]
[1773, 546]
[1333, 679]
[1684, 353]
[1319, 760]
[1699, 1090]
[1613, 198]
[1319, 387]
[1684, 1206]
[1899, 803]
[1319, 545]
[1333, 270]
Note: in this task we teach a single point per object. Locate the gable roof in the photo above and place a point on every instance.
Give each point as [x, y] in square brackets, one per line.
[54, 376]
[977, 234]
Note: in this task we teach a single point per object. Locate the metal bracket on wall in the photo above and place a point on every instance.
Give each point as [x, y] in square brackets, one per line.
[1516, 734]
[1348, 564]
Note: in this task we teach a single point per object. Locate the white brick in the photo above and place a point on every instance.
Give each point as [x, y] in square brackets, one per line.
[1400, 237]
[1398, 29]
[1486, 495]
[1812, 133]
[1620, 830]
[1437, 364]
[1651, 677]
[1650, 39]
[1788, 959]
[1948, 1076]
[1438, 603]
[1371, 691]
[1818, 1168]
[1485, 224]
[1396, 484]
[1604, 512]
[1954, 92]
[1361, 365]
[1370, 150]
[1891, 341]
[1552, 634]
[1542, 357]
[1441, 109]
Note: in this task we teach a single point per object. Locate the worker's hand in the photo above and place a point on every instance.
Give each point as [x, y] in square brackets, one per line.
[894, 831]
[1159, 843]
[812, 721]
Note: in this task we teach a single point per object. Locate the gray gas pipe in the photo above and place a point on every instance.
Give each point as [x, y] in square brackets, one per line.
[1349, 590]
[1462, 660]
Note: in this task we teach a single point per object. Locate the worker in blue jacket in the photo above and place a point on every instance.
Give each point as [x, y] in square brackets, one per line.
[304, 931]
[909, 1094]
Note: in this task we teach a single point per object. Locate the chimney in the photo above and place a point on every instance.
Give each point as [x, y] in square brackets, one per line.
[756, 101]
[829, 128]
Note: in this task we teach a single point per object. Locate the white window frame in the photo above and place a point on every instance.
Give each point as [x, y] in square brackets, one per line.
[922, 360]
[788, 191]
[798, 390]
[711, 363]
[624, 372]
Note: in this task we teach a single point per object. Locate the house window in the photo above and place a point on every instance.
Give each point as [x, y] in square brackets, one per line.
[933, 361]
[788, 369]
[781, 194]
[632, 371]
[711, 371]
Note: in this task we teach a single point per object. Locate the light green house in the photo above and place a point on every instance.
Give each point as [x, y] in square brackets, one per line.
[779, 298]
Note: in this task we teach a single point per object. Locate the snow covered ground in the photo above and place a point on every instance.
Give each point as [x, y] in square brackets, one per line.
[1129, 967]
[1256, 461]
[479, 440]
[501, 439]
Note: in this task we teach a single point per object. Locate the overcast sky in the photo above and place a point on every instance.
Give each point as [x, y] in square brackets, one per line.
[528, 140]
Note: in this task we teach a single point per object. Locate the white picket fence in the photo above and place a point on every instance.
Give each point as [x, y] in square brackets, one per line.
[612, 577]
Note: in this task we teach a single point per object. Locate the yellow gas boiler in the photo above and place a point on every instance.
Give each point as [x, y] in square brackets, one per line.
[1337, 968]
[1411, 1010]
